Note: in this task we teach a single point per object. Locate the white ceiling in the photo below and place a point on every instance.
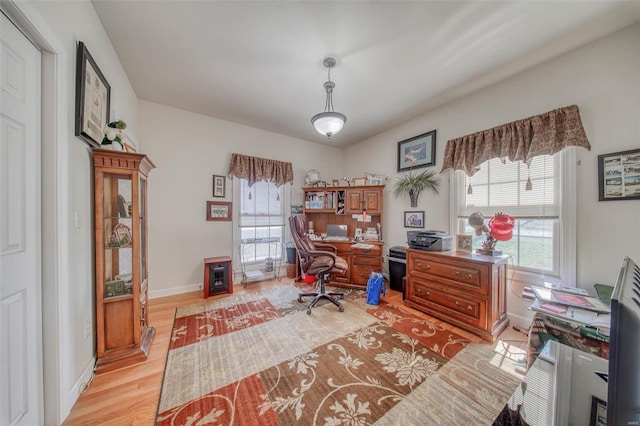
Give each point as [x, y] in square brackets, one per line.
[260, 63]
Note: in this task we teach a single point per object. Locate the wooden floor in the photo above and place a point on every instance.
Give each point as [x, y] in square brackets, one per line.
[129, 396]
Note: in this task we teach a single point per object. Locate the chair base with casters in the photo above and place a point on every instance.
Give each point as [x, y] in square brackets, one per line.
[321, 294]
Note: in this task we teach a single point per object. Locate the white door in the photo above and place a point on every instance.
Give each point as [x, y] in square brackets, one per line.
[21, 385]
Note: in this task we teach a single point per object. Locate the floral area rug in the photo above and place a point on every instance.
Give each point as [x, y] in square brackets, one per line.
[259, 359]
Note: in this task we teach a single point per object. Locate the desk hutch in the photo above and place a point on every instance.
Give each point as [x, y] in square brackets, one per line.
[337, 205]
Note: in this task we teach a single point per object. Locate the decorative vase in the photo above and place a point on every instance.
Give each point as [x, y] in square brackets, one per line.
[413, 195]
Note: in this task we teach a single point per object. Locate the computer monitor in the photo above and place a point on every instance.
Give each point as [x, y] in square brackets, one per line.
[623, 387]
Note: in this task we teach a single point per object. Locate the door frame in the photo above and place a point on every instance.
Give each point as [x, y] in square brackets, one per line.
[54, 192]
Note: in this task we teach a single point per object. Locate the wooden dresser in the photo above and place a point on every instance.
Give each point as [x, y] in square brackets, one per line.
[466, 290]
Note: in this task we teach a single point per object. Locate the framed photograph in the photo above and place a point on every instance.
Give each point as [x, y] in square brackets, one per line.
[619, 175]
[218, 210]
[360, 181]
[336, 182]
[419, 151]
[464, 243]
[414, 219]
[321, 183]
[375, 180]
[598, 412]
[218, 186]
[93, 98]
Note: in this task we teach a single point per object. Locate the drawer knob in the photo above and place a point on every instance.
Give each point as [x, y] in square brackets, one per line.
[458, 274]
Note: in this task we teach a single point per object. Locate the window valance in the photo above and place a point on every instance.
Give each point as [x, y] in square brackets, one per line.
[255, 169]
[543, 134]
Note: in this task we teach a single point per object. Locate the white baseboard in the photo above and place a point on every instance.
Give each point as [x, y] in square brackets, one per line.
[164, 292]
[78, 387]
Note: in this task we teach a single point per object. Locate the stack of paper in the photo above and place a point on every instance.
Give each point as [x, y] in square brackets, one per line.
[570, 306]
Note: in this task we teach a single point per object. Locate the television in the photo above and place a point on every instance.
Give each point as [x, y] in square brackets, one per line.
[623, 385]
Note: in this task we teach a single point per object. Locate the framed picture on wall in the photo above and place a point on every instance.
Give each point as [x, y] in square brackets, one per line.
[619, 175]
[219, 186]
[93, 98]
[414, 219]
[218, 210]
[416, 152]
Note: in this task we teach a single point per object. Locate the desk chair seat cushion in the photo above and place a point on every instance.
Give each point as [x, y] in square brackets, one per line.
[322, 264]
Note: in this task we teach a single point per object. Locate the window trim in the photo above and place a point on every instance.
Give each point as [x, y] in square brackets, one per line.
[567, 245]
[236, 240]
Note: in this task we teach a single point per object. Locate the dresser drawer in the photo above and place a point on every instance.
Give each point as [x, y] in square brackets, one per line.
[464, 276]
[467, 309]
[375, 261]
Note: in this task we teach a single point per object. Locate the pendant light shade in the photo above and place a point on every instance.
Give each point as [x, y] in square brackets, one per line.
[329, 122]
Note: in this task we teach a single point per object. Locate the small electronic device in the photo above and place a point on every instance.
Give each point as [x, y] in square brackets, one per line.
[430, 240]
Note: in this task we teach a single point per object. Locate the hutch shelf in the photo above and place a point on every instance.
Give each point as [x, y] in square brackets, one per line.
[122, 322]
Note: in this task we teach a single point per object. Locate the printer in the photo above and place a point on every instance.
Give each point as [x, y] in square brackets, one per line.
[430, 240]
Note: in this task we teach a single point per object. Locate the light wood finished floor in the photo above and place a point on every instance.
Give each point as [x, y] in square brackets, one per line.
[129, 396]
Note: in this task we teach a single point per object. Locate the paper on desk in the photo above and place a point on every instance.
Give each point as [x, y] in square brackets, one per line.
[363, 246]
[576, 315]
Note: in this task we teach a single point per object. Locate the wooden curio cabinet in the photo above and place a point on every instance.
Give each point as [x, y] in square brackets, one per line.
[122, 321]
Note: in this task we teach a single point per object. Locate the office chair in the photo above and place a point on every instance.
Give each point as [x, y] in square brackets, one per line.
[316, 259]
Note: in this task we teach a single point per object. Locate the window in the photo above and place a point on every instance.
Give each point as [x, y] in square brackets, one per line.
[540, 241]
[261, 221]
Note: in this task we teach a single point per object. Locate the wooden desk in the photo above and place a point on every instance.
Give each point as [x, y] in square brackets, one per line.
[361, 261]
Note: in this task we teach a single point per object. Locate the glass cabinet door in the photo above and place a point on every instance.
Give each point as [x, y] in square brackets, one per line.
[118, 256]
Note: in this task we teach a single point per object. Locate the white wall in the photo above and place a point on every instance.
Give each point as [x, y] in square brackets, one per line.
[188, 149]
[603, 79]
[64, 24]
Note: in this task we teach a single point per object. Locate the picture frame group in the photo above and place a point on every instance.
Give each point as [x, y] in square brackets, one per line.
[414, 219]
[219, 183]
[219, 211]
[619, 176]
[93, 98]
[416, 152]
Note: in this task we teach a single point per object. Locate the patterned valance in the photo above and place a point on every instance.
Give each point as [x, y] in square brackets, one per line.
[255, 169]
[543, 134]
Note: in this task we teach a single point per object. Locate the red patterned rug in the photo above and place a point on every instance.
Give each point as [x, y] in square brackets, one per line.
[259, 359]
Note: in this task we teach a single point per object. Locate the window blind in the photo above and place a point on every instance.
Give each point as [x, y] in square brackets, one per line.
[501, 187]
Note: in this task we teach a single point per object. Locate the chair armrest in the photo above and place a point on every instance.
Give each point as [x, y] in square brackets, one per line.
[328, 247]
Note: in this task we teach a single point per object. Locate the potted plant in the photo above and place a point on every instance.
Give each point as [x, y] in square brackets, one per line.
[413, 183]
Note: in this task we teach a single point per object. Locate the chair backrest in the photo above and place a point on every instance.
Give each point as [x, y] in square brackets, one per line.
[298, 225]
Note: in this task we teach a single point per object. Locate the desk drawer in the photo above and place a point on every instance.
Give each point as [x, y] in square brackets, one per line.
[367, 260]
[361, 274]
[467, 309]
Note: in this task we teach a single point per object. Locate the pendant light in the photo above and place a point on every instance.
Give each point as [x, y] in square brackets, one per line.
[329, 122]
